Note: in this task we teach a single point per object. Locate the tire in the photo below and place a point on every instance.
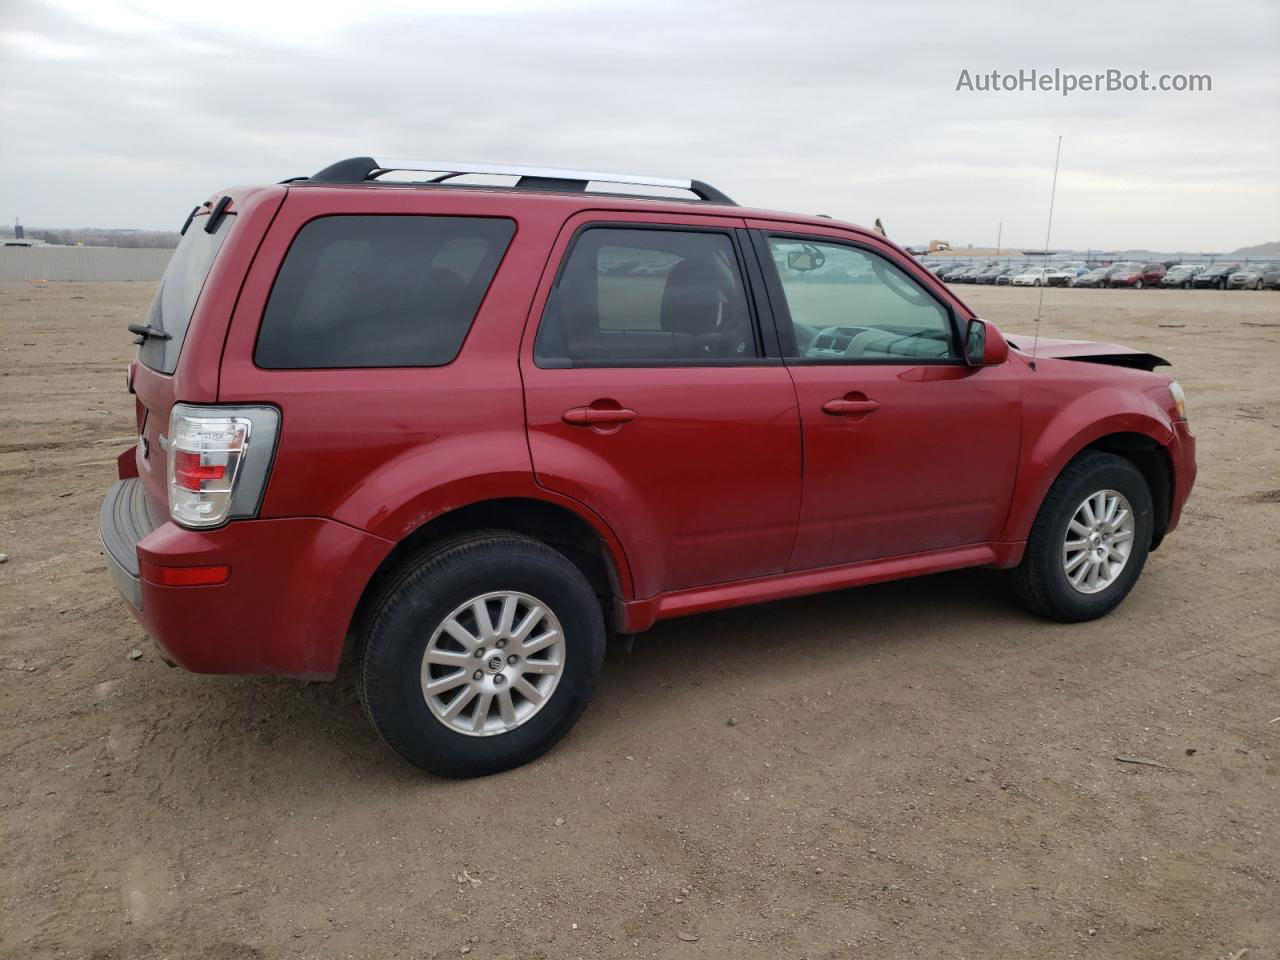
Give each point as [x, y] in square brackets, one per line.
[409, 616]
[1222, 284]
[1041, 581]
[1036, 284]
[1258, 285]
[1138, 285]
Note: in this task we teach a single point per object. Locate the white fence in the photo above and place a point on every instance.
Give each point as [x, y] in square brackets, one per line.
[82, 263]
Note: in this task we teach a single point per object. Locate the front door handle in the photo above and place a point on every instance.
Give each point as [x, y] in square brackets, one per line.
[597, 417]
[840, 407]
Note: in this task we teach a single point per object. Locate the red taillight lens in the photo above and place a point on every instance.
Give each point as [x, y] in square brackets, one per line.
[185, 576]
[188, 471]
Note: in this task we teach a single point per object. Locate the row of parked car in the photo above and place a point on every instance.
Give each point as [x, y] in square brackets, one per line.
[1126, 273]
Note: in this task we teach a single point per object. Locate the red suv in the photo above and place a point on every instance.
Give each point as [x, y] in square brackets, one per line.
[465, 431]
[1136, 275]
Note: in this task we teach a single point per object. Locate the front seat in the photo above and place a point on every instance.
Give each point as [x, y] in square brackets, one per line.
[702, 299]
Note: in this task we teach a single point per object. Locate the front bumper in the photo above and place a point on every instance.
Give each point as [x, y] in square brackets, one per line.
[284, 609]
[1182, 454]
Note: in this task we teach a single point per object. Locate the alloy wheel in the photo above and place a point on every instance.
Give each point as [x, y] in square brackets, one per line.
[1098, 542]
[493, 663]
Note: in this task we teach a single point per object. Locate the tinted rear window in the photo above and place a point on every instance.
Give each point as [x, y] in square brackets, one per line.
[647, 296]
[175, 299]
[380, 291]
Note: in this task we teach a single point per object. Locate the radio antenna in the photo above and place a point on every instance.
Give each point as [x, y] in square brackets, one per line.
[1053, 192]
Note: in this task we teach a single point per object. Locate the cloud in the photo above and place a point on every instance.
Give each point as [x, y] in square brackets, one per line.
[124, 114]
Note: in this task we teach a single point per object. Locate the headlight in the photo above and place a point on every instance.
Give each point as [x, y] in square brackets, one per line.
[1179, 399]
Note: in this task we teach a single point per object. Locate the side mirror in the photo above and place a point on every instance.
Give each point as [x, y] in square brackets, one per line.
[983, 345]
[809, 258]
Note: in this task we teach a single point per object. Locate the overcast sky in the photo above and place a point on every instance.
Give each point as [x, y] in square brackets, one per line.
[124, 113]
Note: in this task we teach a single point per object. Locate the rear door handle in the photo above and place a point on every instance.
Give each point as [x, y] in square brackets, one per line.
[593, 416]
[840, 407]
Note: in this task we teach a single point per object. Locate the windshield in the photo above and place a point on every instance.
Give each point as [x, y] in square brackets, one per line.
[175, 299]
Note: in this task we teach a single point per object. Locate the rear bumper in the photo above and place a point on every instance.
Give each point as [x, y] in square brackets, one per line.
[123, 521]
[284, 609]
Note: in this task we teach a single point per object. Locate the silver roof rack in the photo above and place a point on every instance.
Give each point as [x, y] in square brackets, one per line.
[364, 169]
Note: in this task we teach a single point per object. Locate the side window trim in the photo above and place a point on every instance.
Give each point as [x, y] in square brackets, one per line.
[782, 312]
[765, 356]
[758, 293]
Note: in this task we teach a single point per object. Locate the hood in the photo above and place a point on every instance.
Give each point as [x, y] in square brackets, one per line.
[1089, 351]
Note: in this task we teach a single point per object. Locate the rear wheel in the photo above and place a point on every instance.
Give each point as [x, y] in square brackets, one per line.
[1089, 541]
[481, 654]
[1137, 285]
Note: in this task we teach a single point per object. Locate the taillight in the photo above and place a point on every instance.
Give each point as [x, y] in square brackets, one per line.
[190, 470]
[218, 460]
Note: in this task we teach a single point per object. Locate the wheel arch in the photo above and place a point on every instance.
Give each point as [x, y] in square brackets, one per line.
[582, 537]
[1137, 436]
[1153, 462]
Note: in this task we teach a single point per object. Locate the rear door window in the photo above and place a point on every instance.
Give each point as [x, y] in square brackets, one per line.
[175, 299]
[647, 296]
[380, 291]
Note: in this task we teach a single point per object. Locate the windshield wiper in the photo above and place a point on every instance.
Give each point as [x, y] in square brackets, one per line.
[147, 332]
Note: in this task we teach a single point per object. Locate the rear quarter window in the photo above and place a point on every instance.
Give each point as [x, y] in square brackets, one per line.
[379, 291]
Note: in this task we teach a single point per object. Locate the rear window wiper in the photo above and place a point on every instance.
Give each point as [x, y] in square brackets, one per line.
[147, 332]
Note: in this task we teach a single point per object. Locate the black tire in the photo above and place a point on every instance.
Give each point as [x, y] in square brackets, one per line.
[414, 604]
[1040, 581]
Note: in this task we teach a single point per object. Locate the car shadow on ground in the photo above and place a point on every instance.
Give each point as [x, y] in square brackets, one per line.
[322, 725]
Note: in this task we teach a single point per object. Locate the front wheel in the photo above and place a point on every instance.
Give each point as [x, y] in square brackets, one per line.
[1258, 285]
[1089, 541]
[1138, 285]
[481, 654]
[1036, 283]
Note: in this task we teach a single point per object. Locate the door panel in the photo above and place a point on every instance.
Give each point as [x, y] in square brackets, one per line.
[647, 398]
[931, 466]
[701, 486]
[906, 449]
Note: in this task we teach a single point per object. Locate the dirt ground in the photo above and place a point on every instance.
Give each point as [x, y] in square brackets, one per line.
[918, 769]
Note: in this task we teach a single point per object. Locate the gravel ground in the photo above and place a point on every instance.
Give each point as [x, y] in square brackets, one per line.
[917, 769]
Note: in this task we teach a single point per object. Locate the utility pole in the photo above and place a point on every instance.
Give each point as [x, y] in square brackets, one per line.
[999, 234]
